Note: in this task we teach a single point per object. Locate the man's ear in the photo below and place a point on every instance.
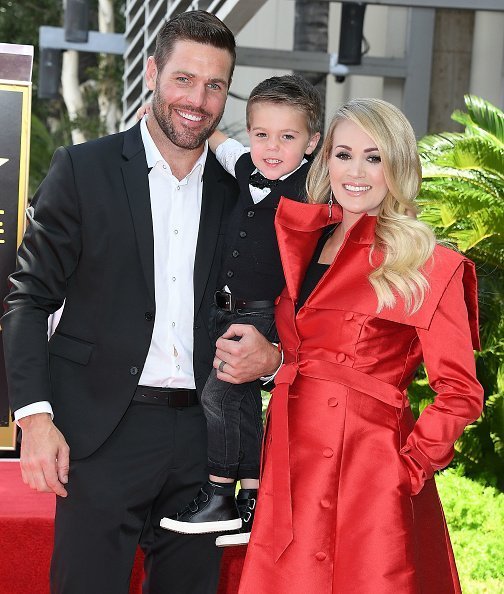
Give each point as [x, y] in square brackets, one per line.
[312, 144]
[151, 73]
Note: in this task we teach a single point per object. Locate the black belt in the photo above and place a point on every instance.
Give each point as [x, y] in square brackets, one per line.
[228, 302]
[173, 397]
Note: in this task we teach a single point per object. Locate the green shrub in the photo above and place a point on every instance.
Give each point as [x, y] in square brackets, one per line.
[475, 517]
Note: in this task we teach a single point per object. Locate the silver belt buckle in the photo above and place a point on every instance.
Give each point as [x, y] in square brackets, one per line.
[224, 300]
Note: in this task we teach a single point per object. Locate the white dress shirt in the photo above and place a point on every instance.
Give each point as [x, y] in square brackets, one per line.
[176, 210]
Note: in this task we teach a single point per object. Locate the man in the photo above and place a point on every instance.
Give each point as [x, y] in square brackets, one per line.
[128, 231]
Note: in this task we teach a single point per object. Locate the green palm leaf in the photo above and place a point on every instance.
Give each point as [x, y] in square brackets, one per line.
[462, 198]
[482, 119]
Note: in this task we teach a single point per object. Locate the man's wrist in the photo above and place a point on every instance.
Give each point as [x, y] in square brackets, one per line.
[35, 419]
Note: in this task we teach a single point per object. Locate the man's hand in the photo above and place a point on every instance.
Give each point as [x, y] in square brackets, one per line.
[246, 359]
[44, 455]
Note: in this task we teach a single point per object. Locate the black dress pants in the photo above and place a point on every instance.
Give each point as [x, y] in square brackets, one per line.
[150, 467]
[234, 411]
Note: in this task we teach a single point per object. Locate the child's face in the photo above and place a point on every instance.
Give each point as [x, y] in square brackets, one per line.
[279, 138]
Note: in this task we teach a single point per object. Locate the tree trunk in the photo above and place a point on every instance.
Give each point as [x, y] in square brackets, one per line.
[110, 113]
[71, 91]
[108, 91]
[311, 34]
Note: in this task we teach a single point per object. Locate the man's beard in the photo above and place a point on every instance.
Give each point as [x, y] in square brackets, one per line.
[183, 137]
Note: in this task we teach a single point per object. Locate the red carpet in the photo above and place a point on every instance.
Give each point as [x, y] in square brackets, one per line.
[26, 522]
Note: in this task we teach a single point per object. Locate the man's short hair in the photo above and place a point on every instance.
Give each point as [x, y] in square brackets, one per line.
[290, 90]
[198, 26]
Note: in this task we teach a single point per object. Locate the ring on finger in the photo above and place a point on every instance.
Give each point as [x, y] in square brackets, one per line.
[221, 366]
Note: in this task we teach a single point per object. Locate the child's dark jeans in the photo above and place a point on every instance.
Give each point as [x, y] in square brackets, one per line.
[234, 411]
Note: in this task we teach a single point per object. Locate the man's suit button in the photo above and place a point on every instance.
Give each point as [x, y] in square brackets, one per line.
[250, 214]
[243, 234]
[235, 253]
[134, 370]
[149, 316]
[230, 274]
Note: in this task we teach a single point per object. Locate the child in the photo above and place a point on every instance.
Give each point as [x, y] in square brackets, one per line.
[283, 123]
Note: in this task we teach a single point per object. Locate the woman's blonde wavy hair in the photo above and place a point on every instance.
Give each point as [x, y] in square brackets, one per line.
[405, 242]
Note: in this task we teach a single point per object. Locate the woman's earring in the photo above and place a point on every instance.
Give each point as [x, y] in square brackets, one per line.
[330, 204]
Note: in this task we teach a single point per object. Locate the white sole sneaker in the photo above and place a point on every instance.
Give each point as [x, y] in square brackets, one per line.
[200, 527]
[230, 540]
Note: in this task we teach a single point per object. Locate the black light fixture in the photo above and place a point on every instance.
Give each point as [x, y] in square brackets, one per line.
[352, 25]
[77, 21]
[49, 73]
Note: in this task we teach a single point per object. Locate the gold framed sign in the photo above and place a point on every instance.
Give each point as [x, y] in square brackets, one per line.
[15, 117]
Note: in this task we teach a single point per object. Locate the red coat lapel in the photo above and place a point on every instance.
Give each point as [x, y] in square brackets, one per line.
[299, 227]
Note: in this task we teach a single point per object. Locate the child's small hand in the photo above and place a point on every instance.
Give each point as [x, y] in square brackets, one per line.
[144, 109]
[216, 139]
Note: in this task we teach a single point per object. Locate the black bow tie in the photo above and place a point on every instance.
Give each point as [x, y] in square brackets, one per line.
[258, 180]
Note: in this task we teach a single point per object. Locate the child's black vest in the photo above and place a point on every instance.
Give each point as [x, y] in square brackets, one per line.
[251, 265]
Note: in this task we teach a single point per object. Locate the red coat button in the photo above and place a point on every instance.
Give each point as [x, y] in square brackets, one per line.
[325, 503]
[328, 453]
[320, 556]
[332, 402]
[348, 316]
[340, 357]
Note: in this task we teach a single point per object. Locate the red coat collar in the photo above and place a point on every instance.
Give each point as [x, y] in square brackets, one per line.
[299, 227]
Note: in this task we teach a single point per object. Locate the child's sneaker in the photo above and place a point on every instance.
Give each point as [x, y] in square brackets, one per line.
[213, 510]
[246, 502]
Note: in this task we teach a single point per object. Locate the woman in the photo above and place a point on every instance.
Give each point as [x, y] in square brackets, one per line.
[348, 502]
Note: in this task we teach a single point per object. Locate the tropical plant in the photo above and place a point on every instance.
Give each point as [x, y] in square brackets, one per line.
[43, 145]
[462, 198]
[463, 188]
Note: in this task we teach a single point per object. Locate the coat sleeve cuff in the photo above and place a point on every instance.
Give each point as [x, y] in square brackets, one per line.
[419, 467]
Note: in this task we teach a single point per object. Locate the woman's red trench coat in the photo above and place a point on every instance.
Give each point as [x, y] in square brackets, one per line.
[348, 502]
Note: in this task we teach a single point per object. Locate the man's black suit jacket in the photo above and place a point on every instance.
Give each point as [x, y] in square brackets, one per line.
[90, 243]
